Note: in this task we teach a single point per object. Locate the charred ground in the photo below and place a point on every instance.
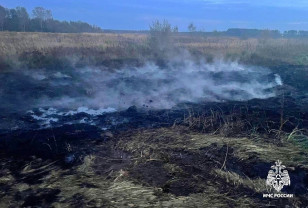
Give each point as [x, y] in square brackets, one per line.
[214, 154]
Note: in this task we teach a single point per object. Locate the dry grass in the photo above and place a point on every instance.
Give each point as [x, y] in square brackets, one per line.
[15, 43]
[151, 143]
[186, 156]
[233, 178]
[286, 51]
[267, 52]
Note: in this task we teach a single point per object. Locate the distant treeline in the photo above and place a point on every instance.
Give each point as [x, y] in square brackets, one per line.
[41, 20]
[255, 33]
[234, 32]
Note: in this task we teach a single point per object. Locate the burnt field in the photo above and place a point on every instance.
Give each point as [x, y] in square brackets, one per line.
[176, 129]
[212, 153]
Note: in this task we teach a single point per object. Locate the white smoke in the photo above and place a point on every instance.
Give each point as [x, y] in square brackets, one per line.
[150, 86]
[190, 82]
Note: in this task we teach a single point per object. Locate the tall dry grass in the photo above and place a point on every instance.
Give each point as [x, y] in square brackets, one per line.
[105, 47]
[251, 51]
[14, 43]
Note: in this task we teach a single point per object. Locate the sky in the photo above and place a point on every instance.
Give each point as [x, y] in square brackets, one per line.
[206, 15]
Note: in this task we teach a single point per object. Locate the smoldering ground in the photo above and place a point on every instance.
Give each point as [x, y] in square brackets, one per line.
[149, 86]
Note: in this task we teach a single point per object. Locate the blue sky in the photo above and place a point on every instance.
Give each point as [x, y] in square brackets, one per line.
[207, 15]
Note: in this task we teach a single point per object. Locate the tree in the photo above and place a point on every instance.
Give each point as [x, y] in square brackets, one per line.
[39, 13]
[160, 35]
[290, 34]
[175, 29]
[18, 20]
[48, 15]
[191, 27]
[42, 15]
[12, 20]
[160, 41]
[2, 17]
[23, 18]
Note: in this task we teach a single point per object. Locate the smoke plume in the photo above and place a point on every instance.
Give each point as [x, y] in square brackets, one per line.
[150, 86]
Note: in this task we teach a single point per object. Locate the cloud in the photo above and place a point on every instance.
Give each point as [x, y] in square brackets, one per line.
[268, 3]
[297, 23]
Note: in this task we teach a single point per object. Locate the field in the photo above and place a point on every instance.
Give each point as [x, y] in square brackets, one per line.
[214, 153]
[97, 49]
